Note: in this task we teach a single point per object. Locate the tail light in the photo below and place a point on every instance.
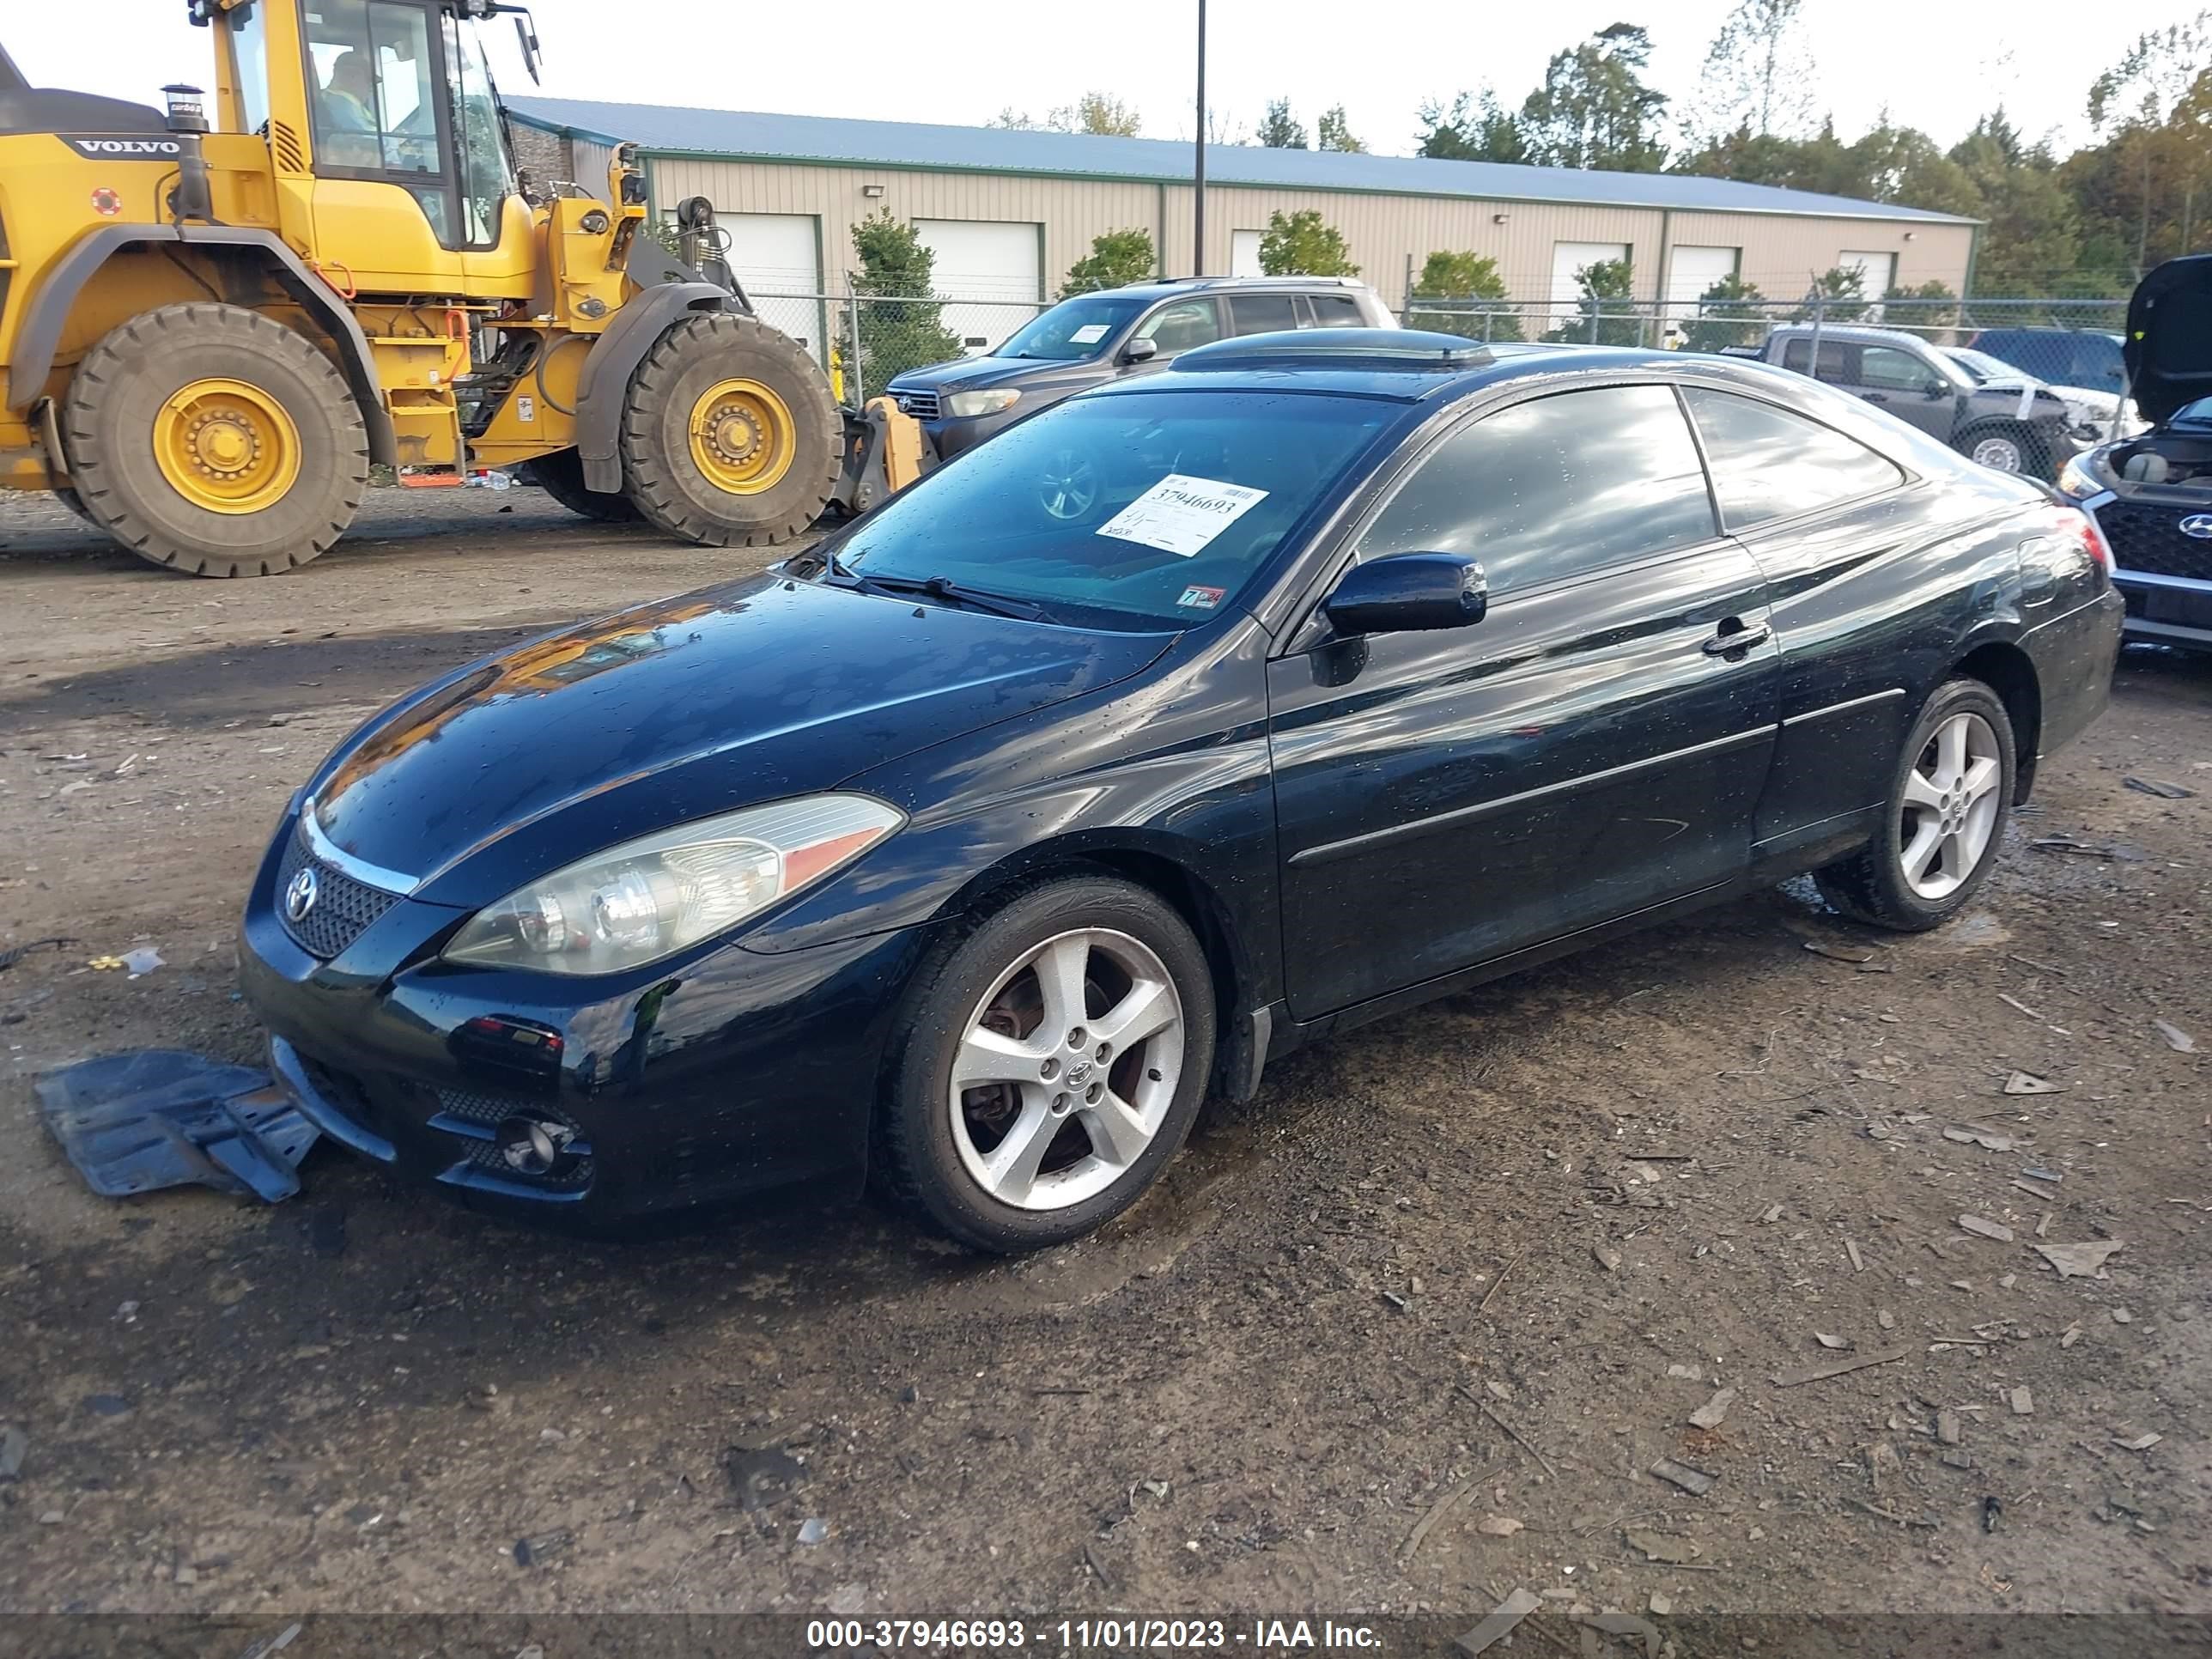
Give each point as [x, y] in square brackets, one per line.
[2094, 545]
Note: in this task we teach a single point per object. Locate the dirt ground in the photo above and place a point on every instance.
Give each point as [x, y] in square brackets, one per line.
[1472, 1268]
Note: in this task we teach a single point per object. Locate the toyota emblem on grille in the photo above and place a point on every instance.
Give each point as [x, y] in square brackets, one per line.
[2198, 524]
[300, 894]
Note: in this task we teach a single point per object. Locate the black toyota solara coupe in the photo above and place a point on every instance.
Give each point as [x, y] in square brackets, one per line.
[1189, 721]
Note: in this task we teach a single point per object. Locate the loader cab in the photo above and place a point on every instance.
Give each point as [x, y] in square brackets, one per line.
[405, 142]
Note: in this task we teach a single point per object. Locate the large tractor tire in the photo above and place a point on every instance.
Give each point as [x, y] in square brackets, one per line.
[209, 439]
[729, 434]
[561, 475]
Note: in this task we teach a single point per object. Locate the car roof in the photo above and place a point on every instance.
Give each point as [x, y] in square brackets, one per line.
[1863, 333]
[1168, 287]
[1385, 363]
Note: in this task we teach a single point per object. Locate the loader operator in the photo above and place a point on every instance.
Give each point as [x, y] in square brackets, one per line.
[346, 104]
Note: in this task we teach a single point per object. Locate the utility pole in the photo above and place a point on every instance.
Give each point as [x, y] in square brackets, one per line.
[1198, 193]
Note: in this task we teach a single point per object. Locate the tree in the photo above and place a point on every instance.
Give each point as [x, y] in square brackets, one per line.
[1117, 258]
[1837, 294]
[1474, 127]
[900, 328]
[1594, 108]
[1602, 315]
[1278, 130]
[1333, 131]
[1094, 112]
[1300, 244]
[1758, 73]
[1929, 310]
[1730, 313]
[2152, 76]
[1470, 281]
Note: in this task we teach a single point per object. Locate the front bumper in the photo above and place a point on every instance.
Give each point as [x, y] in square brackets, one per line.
[720, 1078]
[2164, 575]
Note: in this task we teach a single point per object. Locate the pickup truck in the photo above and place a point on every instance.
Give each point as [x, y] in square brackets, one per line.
[2015, 428]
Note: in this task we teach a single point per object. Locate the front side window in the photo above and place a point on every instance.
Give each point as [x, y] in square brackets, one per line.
[1892, 370]
[1554, 488]
[487, 177]
[1146, 510]
[374, 98]
[1769, 464]
[1178, 327]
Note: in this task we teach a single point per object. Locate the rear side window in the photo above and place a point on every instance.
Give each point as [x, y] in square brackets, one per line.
[1555, 487]
[1840, 359]
[1335, 311]
[1769, 464]
[1262, 314]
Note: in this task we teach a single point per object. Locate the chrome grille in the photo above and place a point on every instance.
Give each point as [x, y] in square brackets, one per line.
[2149, 539]
[343, 907]
[923, 406]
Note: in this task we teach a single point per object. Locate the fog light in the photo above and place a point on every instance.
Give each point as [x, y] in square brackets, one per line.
[533, 1146]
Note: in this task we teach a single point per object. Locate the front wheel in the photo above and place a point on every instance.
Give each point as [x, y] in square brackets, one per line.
[1945, 815]
[561, 475]
[1046, 1068]
[2005, 448]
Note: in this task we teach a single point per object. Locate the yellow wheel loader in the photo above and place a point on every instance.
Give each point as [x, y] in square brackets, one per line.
[214, 322]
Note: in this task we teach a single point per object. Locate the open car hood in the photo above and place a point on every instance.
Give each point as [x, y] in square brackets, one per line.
[2168, 350]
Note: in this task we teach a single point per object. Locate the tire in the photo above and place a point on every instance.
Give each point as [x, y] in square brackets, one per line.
[934, 1142]
[69, 498]
[561, 475]
[1877, 884]
[2006, 447]
[124, 410]
[662, 472]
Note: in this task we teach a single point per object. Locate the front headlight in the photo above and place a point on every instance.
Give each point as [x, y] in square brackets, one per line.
[648, 898]
[966, 404]
[2074, 480]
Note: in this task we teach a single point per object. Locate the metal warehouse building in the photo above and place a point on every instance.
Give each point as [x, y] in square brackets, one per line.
[1007, 212]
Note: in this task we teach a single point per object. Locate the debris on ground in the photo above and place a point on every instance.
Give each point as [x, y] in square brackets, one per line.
[2006, 997]
[763, 1475]
[1851, 1249]
[15, 953]
[2078, 848]
[2021, 1402]
[2027, 1083]
[1500, 1621]
[1828, 1341]
[1696, 1482]
[1663, 1546]
[1949, 1430]
[1983, 1229]
[162, 1117]
[2137, 1443]
[1608, 1259]
[14, 1446]
[1828, 1368]
[814, 1531]
[1660, 1605]
[2176, 1039]
[1623, 1624]
[2153, 786]
[1884, 1465]
[1714, 1412]
[541, 1547]
[1504, 1526]
[1991, 1510]
[1839, 953]
[1437, 1512]
[2084, 1261]
[1988, 1140]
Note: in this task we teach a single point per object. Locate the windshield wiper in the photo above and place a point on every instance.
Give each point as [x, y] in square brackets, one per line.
[953, 593]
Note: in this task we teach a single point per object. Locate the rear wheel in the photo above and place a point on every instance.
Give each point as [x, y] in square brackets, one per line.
[1048, 1068]
[561, 475]
[1946, 812]
[211, 440]
[729, 434]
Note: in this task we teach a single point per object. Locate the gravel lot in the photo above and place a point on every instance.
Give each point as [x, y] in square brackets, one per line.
[1472, 1268]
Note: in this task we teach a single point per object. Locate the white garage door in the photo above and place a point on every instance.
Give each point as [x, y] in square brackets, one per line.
[1691, 270]
[1568, 260]
[777, 260]
[982, 259]
[1877, 275]
[1244, 253]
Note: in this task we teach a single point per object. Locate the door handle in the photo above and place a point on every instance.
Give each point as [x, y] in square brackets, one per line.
[1877, 396]
[1743, 637]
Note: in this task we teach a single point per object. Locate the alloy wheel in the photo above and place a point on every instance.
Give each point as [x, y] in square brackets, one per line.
[1065, 1069]
[1950, 812]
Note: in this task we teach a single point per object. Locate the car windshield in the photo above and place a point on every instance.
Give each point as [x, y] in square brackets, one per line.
[1981, 368]
[1146, 510]
[1074, 328]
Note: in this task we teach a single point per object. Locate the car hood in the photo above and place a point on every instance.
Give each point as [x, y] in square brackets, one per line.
[972, 374]
[2168, 349]
[701, 704]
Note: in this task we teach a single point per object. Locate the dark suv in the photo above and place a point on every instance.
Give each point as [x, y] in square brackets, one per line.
[1096, 337]
[2152, 494]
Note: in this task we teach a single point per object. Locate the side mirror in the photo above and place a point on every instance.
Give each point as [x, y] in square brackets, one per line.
[1140, 351]
[1407, 592]
[1937, 389]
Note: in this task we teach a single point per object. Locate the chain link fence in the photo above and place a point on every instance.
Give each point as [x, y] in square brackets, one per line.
[862, 340]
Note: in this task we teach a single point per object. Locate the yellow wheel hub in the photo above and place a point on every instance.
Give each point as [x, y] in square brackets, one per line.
[227, 446]
[743, 437]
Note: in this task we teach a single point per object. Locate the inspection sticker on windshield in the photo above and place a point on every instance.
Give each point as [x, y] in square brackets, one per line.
[1089, 334]
[1182, 514]
[1201, 598]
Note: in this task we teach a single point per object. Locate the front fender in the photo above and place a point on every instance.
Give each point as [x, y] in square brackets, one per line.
[604, 385]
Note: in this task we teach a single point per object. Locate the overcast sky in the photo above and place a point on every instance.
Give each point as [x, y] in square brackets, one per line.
[962, 63]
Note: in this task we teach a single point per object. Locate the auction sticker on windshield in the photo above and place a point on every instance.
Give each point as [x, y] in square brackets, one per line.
[1089, 334]
[1181, 514]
